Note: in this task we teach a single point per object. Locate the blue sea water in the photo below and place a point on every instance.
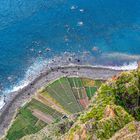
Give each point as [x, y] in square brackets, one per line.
[108, 29]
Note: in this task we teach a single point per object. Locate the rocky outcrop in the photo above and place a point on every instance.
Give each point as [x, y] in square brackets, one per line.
[130, 132]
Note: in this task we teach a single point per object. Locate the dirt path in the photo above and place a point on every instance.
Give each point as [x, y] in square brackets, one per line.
[42, 116]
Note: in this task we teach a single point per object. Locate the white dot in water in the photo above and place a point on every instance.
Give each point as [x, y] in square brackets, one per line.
[80, 23]
[32, 49]
[81, 10]
[73, 7]
[39, 52]
[9, 78]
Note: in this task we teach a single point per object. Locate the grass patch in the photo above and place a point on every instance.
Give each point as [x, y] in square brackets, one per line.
[75, 82]
[90, 91]
[98, 83]
[61, 91]
[24, 124]
[88, 82]
[34, 104]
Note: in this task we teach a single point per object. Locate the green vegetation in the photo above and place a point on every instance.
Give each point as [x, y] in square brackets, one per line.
[105, 128]
[131, 127]
[90, 91]
[25, 123]
[117, 103]
[91, 86]
[64, 93]
[61, 91]
[129, 132]
[35, 104]
[75, 82]
[115, 108]
[128, 92]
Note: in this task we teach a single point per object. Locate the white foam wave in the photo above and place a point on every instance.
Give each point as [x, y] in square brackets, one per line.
[2, 103]
[20, 85]
[130, 66]
[40, 65]
[32, 72]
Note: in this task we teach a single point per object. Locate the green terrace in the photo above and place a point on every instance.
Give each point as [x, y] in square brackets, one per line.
[65, 96]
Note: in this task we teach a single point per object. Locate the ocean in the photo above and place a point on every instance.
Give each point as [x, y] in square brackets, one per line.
[39, 33]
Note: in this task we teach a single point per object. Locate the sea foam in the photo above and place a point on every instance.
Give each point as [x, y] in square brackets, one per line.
[130, 66]
[2, 103]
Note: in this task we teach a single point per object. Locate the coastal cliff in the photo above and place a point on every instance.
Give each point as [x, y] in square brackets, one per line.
[114, 113]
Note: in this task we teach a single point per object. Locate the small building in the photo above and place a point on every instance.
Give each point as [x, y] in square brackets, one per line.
[64, 117]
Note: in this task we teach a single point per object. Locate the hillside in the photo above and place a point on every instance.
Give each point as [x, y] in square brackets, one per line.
[116, 104]
[52, 104]
[69, 109]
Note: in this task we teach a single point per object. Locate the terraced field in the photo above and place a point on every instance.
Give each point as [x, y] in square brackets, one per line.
[25, 123]
[63, 97]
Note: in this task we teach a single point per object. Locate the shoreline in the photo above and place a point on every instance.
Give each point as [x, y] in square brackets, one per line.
[16, 99]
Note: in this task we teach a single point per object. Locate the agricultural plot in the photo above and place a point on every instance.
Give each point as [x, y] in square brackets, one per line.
[62, 97]
[51, 103]
[88, 82]
[91, 86]
[98, 83]
[25, 123]
[75, 82]
[44, 94]
[46, 110]
[79, 93]
[61, 91]
[32, 118]
[90, 91]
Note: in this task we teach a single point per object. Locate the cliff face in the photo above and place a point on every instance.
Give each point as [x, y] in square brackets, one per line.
[114, 113]
[116, 104]
[130, 132]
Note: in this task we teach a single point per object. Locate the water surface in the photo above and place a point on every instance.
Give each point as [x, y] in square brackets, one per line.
[107, 31]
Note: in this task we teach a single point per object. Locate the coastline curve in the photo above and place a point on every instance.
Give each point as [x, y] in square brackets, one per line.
[16, 99]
